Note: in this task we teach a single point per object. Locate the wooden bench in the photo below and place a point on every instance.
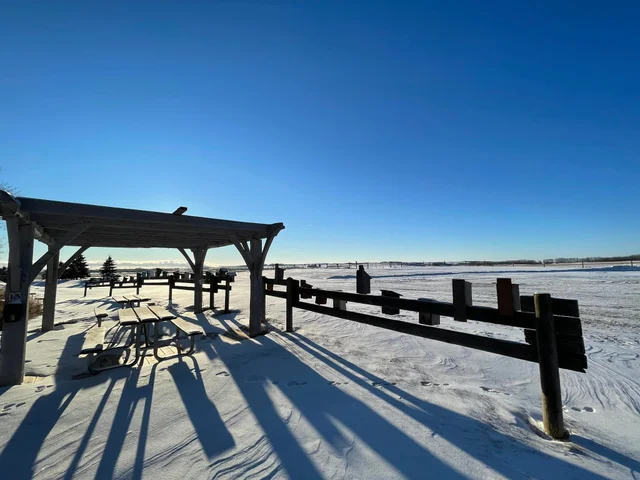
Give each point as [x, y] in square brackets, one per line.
[189, 329]
[93, 341]
[100, 314]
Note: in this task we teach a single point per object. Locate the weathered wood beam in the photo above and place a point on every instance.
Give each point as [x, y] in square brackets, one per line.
[186, 255]
[94, 212]
[14, 329]
[50, 293]
[37, 267]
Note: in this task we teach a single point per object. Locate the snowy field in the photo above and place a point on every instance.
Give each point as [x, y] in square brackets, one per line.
[335, 399]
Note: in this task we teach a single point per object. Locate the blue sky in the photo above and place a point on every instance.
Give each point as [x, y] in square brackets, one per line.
[373, 131]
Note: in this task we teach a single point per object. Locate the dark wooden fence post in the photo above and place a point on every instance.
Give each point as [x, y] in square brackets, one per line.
[139, 281]
[85, 288]
[549, 370]
[292, 298]
[112, 284]
[461, 299]
[226, 296]
[211, 291]
[172, 281]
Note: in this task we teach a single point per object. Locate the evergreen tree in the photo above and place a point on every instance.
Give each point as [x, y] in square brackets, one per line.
[109, 270]
[77, 269]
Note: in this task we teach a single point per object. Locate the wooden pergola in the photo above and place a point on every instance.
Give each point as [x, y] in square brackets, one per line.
[59, 224]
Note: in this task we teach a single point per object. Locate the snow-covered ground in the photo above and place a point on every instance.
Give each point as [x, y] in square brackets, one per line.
[335, 399]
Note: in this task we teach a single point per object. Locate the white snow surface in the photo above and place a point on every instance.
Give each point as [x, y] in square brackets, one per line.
[335, 399]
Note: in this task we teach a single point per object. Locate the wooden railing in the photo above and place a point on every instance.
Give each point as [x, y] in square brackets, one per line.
[552, 326]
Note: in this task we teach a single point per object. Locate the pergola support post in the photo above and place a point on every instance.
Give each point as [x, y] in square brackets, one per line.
[50, 293]
[198, 271]
[254, 256]
[14, 333]
[197, 267]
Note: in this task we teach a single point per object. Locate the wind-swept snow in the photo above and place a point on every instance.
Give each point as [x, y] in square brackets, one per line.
[335, 399]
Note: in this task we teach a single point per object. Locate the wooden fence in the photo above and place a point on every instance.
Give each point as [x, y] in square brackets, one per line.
[552, 326]
[174, 282]
[215, 283]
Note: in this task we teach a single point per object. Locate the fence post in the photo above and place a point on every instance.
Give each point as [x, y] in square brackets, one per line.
[226, 296]
[292, 298]
[549, 370]
[139, 281]
[171, 283]
[112, 284]
[85, 288]
[211, 291]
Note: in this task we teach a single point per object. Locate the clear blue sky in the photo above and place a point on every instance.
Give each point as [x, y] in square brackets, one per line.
[407, 131]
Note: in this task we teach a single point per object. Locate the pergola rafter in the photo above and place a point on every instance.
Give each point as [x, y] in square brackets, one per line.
[59, 224]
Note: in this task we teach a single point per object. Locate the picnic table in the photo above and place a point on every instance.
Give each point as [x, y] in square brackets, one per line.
[130, 300]
[140, 319]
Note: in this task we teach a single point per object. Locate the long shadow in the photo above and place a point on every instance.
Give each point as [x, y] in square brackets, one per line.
[20, 453]
[131, 396]
[606, 452]
[330, 405]
[406, 456]
[454, 428]
[210, 429]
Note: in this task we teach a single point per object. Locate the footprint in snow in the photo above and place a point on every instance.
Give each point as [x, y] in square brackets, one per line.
[8, 406]
[491, 390]
[429, 384]
[40, 388]
[584, 409]
[295, 383]
[338, 383]
[383, 384]
[222, 374]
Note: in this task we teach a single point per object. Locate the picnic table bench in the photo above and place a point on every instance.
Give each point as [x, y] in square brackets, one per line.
[139, 319]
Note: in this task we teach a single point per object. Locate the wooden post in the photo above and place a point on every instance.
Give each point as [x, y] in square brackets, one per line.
[85, 288]
[211, 291]
[226, 296]
[172, 282]
[461, 299]
[549, 370]
[112, 284]
[508, 297]
[50, 291]
[198, 267]
[428, 318]
[139, 281]
[14, 333]
[293, 297]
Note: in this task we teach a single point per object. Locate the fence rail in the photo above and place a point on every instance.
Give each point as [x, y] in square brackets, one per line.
[552, 326]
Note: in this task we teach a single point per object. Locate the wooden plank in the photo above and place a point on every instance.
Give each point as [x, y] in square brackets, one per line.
[93, 340]
[522, 351]
[145, 315]
[571, 344]
[567, 325]
[100, 313]
[561, 306]
[127, 317]
[275, 293]
[161, 313]
[187, 327]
